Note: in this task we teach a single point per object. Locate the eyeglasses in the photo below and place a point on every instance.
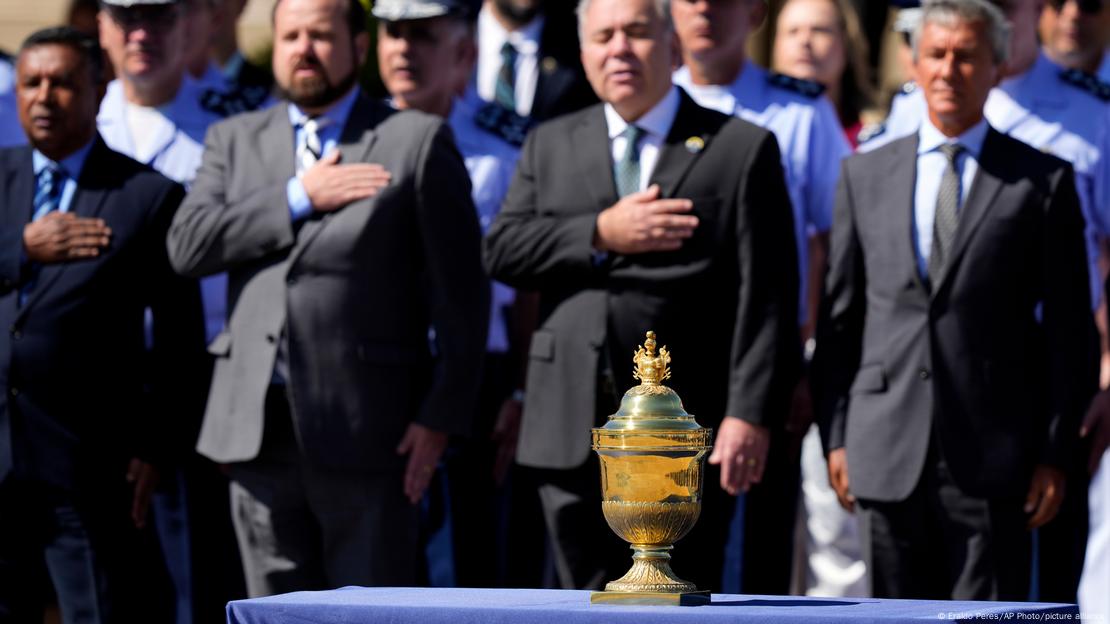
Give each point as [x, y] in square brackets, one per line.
[1089, 7]
[160, 17]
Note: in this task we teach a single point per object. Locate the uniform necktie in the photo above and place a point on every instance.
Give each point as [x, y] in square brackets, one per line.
[627, 170]
[947, 215]
[310, 149]
[49, 192]
[504, 92]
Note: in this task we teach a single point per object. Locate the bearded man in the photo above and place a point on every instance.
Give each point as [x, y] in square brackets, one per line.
[357, 311]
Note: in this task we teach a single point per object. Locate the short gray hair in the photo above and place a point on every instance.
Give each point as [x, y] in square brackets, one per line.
[663, 7]
[948, 11]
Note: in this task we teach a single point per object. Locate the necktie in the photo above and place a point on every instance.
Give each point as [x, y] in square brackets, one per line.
[504, 91]
[947, 215]
[47, 199]
[310, 149]
[49, 191]
[627, 170]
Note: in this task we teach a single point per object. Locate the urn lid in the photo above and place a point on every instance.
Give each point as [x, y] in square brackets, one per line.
[651, 405]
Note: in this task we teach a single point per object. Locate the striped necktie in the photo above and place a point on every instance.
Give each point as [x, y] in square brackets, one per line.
[310, 149]
[626, 173]
[48, 195]
[947, 215]
[504, 92]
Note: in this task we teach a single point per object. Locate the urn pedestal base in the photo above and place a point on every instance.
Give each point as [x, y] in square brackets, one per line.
[650, 581]
[684, 599]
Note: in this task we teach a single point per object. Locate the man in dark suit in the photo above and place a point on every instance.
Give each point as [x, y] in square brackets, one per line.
[84, 410]
[358, 311]
[952, 355]
[647, 212]
[528, 58]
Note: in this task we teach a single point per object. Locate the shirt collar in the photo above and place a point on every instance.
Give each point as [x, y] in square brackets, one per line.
[657, 121]
[71, 165]
[233, 66]
[930, 138]
[337, 113]
[525, 39]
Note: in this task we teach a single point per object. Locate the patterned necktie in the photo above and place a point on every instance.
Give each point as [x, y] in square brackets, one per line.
[627, 170]
[310, 149]
[947, 215]
[504, 91]
[49, 192]
[47, 199]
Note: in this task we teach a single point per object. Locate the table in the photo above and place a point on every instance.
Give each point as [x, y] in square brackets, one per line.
[362, 605]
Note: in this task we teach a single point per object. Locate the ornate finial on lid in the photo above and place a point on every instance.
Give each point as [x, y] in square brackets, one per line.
[651, 369]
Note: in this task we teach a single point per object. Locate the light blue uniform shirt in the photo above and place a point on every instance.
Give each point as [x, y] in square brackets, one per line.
[71, 166]
[810, 138]
[11, 133]
[300, 206]
[1043, 110]
[177, 149]
[931, 165]
[490, 161]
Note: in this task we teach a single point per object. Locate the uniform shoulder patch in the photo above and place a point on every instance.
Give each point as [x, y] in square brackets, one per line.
[504, 123]
[808, 88]
[226, 104]
[1087, 82]
[870, 131]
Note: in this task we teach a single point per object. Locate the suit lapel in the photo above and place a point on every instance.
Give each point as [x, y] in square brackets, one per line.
[984, 188]
[895, 192]
[595, 164]
[354, 145]
[88, 199]
[686, 140]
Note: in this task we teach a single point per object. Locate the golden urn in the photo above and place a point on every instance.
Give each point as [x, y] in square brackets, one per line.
[652, 467]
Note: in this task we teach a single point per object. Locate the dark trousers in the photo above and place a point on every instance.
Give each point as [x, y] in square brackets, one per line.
[941, 544]
[102, 568]
[768, 523]
[497, 531]
[303, 528]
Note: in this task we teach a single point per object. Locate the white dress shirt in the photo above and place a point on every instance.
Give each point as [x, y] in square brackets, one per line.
[491, 37]
[931, 165]
[655, 123]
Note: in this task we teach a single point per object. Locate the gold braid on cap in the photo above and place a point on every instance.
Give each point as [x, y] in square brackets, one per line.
[651, 369]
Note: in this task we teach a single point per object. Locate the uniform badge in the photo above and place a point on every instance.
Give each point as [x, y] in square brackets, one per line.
[695, 144]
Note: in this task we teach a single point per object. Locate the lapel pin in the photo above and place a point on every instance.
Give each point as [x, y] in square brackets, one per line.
[549, 65]
[695, 144]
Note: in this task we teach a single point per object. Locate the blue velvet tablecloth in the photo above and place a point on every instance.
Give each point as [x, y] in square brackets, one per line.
[394, 605]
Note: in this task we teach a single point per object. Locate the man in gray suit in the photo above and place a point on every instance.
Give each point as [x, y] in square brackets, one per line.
[647, 212]
[358, 311]
[952, 352]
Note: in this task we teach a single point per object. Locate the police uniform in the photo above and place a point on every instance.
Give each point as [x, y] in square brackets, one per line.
[11, 133]
[809, 134]
[812, 143]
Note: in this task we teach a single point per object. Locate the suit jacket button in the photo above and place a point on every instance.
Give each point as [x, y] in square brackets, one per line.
[924, 374]
[270, 338]
[290, 281]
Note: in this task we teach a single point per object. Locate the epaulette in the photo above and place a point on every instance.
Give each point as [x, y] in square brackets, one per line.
[870, 131]
[504, 123]
[1088, 82]
[241, 100]
[808, 88]
[908, 87]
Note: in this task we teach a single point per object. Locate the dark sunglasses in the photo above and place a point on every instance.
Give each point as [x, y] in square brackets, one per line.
[1090, 7]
